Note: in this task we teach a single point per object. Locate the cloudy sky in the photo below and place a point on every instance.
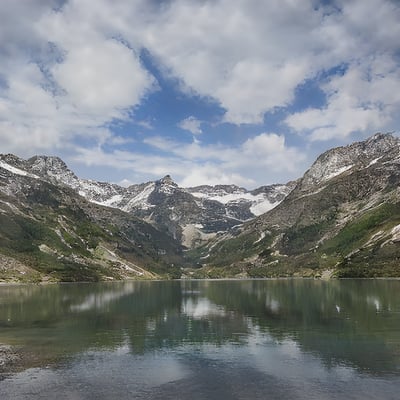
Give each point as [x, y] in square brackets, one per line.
[210, 91]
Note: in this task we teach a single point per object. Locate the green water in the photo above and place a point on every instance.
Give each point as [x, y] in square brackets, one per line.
[252, 339]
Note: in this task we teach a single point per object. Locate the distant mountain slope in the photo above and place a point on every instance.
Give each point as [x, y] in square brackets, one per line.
[343, 218]
[191, 215]
[242, 203]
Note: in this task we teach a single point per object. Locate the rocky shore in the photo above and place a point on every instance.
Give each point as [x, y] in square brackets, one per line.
[9, 360]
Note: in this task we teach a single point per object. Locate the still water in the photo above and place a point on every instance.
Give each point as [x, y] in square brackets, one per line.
[255, 339]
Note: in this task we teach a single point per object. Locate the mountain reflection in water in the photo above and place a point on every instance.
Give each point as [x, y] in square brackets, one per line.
[153, 338]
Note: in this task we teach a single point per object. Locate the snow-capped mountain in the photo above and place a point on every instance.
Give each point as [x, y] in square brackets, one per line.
[189, 215]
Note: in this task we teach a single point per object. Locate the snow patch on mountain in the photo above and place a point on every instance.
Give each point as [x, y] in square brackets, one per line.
[337, 172]
[54, 169]
[113, 201]
[141, 199]
[258, 201]
[192, 235]
[228, 197]
[16, 171]
[374, 161]
[262, 207]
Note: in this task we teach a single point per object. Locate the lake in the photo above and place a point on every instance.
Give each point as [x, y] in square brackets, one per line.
[246, 339]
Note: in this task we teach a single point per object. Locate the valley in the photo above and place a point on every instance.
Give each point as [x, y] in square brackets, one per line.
[341, 219]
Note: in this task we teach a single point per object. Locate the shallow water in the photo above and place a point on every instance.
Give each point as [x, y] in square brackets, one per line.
[255, 339]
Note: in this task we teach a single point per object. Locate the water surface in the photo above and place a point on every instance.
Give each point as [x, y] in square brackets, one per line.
[256, 339]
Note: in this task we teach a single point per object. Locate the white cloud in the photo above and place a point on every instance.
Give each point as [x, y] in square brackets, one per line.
[254, 88]
[101, 74]
[125, 182]
[252, 58]
[270, 150]
[266, 155]
[54, 93]
[28, 116]
[191, 124]
[364, 99]
[194, 151]
[118, 140]
[213, 175]
[67, 75]
[147, 166]
[32, 119]
[249, 58]
[102, 77]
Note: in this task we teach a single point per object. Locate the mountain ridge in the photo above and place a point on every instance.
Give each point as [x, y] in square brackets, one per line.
[190, 215]
[341, 218]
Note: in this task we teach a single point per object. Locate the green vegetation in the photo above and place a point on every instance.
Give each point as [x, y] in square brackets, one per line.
[21, 238]
[300, 239]
[238, 248]
[357, 255]
[349, 252]
[357, 232]
[55, 234]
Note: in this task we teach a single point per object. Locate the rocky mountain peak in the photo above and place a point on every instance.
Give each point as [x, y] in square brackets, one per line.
[54, 169]
[167, 180]
[11, 159]
[341, 159]
[47, 163]
[383, 140]
[166, 185]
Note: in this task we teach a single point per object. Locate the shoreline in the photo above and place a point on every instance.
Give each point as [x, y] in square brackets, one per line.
[3, 283]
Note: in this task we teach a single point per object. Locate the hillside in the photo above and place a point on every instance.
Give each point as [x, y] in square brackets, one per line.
[341, 219]
[50, 233]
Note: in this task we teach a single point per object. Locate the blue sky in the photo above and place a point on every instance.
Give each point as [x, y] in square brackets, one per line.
[208, 91]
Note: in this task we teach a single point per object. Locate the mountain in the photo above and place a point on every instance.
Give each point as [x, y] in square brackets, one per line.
[191, 216]
[48, 232]
[342, 219]
[55, 226]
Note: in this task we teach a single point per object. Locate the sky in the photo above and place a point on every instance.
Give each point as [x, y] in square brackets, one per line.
[245, 92]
